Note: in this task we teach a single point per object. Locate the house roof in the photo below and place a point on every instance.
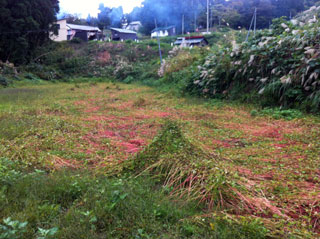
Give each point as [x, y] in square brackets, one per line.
[192, 37]
[162, 28]
[123, 30]
[83, 28]
[135, 23]
[179, 41]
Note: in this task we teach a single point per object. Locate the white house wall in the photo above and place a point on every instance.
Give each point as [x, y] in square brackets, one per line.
[62, 32]
[160, 34]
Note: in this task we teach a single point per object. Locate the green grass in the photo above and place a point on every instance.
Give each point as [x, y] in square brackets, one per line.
[82, 205]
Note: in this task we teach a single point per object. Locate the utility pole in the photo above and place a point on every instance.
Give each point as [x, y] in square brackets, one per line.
[158, 38]
[182, 24]
[211, 16]
[254, 23]
[195, 15]
[207, 16]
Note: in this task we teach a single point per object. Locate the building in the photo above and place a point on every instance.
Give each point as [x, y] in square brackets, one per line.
[134, 26]
[67, 32]
[191, 41]
[85, 33]
[118, 34]
[163, 32]
[62, 31]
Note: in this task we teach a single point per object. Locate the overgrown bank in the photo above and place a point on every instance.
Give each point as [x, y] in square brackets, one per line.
[278, 67]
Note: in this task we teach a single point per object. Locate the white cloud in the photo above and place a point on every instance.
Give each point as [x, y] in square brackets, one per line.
[85, 7]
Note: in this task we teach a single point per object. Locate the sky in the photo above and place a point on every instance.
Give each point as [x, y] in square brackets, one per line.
[85, 7]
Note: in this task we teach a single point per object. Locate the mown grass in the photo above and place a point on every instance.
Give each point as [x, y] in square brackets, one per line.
[206, 169]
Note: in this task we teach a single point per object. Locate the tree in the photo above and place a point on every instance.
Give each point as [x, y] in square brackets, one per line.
[25, 25]
[116, 16]
[104, 20]
[92, 21]
[109, 17]
[73, 18]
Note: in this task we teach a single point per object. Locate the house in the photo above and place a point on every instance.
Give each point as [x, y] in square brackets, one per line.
[61, 26]
[119, 34]
[85, 33]
[134, 26]
[163, 32]
[67, 32]
[191, 41]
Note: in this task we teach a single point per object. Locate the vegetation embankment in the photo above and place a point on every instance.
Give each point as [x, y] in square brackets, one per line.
[98, 160]
[278, 67]
[126, 62]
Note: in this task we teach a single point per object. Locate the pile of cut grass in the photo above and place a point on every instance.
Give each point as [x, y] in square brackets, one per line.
[189, 171]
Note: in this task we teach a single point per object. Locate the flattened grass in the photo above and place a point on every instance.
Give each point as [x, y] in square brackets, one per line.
[215, 147]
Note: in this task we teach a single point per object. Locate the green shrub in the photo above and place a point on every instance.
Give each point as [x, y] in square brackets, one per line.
[12, 229]
[43, 72]
[4, 81]
[214, 38]
[74, 65]
[76, 40]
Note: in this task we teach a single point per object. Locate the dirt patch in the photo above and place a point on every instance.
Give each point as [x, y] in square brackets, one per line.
[104, 58]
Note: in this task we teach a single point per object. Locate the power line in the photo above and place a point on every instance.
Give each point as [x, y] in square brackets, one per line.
[158, 39]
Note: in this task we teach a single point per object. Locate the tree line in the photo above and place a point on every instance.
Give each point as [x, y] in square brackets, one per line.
[234, 13]
[192, 14]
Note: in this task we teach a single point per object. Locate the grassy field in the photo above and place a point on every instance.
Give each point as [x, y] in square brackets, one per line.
[105, 160]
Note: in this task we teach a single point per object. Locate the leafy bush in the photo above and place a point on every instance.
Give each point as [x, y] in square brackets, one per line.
[74, 65]
[12, 229]
[4, 81]
[38, 71]
[214, 38]
[76, 40]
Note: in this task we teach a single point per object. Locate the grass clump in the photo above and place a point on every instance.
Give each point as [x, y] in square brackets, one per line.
[187, 170]
[289, 114]
[140, 102]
